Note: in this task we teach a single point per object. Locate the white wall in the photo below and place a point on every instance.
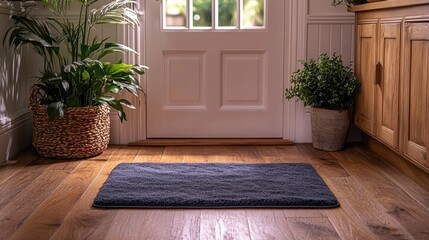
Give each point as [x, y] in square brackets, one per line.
[15, 119]
[326, 29]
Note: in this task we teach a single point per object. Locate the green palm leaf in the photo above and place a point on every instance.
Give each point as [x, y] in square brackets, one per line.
[115, 12]
[40, 35]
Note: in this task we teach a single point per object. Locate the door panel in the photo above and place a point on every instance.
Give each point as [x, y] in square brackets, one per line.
[215, 82]
[184, 80]
[243, 89]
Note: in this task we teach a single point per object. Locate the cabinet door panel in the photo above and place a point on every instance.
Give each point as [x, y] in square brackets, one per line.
[387, 88]
[366, 44]
[415, 89]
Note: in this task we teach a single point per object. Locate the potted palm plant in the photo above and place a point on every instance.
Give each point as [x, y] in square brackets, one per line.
[330, 88]
[71, 98]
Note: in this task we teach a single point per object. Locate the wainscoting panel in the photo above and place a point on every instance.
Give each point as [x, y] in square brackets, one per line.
[331, 38]
[15, 135]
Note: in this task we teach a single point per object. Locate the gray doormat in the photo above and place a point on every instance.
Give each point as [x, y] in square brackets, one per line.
[211, 185]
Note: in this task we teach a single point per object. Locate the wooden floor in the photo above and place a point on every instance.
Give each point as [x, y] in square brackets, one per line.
[46, 199]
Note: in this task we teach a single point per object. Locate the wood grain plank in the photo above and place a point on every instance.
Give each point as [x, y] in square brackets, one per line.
[22, 206]
[268, 224]
[150, 224]
[312, 228]
[186, 224]
[346, 222]
[224, 224]
[399, 205]
[219, 154]
[43, 223]
[290, 154]
[85, 221]
[419, 175]
[304, 213]
[22, 159]
[413, 189]
[149, 154]
[23, 178]
[358, 167]
[202, 154]
[267, 154]
[176, 154]
[322, 161]
[229, 154]
[414, 218]
[249, 154]
[369, 210]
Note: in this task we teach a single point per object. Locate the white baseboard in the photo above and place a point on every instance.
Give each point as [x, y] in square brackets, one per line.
[15, 135]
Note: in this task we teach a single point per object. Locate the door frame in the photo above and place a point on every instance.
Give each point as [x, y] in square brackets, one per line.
[295, 19]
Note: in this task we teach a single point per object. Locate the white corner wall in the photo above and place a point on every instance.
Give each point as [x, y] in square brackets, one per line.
[15, 119]
[326, 29]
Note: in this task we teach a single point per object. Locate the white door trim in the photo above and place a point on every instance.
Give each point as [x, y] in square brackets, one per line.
[295, 49]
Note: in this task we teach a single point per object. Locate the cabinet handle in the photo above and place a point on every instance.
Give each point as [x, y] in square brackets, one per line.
[378, 71]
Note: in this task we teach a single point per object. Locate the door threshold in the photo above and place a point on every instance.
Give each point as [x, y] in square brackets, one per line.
[211, 142]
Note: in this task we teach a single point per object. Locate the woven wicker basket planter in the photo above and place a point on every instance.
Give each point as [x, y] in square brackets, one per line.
[82, 132]
[329, 128]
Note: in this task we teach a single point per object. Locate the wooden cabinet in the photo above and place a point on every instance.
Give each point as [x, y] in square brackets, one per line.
[387, 83]
[392, 63]
[415, 85]
[366, 43]
[378, 68]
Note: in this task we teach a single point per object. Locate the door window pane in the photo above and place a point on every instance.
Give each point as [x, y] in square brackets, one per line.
[202, 13]
[175, 13]
[227, 13]
[253, 13]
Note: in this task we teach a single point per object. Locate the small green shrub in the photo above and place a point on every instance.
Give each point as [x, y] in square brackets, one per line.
[327, 83]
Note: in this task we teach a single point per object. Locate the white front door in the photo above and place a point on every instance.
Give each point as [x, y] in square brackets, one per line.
[214, 78]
